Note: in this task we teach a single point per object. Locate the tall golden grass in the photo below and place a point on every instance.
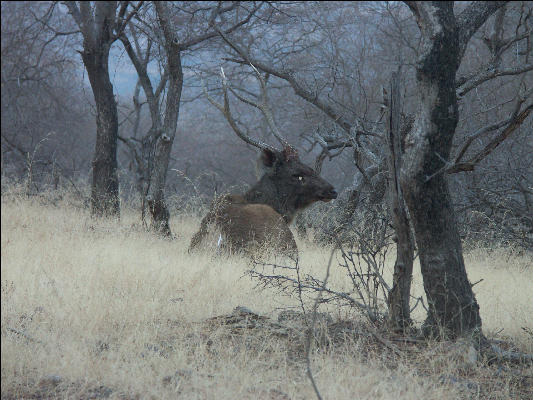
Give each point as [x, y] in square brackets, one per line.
[106, 309]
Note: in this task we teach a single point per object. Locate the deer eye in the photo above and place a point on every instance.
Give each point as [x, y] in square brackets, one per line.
[301, 178]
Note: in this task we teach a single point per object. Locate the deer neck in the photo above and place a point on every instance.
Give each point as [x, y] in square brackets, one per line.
[266, 192]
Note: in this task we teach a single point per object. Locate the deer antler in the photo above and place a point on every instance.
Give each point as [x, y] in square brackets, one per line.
[288, 150]
[225, 110]
[263, 107]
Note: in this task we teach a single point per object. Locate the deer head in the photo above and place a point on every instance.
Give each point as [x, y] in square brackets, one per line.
[287, 184]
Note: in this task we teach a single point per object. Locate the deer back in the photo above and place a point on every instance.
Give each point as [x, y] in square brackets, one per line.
[251, 228]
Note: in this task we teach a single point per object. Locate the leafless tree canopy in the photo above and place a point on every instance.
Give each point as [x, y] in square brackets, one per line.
[46, 119]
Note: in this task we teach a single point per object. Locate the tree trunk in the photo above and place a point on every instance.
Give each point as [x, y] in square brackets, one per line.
[104, 191]
[399, 296]
[163, 146]
[453, 310]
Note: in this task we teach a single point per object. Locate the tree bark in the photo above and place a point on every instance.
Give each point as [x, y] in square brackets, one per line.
[105, 186]
[96, 23]
[163, 146]
[399, 295]
[453, 309]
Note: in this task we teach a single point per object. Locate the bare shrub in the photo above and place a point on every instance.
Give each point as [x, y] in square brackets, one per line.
[361, 257]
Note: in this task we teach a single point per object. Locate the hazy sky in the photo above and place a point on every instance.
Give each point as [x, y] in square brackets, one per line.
[122, 72]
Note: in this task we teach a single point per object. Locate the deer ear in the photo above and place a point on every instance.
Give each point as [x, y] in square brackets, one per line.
[268, 158]
[265, 163]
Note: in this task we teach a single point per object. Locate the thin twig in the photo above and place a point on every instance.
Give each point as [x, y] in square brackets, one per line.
[312, 328]
[24, 335]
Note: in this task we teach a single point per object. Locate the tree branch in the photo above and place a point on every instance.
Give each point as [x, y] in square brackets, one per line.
[74, 11]
[468, 85]
[516, 121]
[209, 35]
[477, 134]
[472, 18]
[140, 67]
[121, 25]
[225, 110]
[289, 77]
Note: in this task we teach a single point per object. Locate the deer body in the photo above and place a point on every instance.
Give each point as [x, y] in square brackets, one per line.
[260, 218]
[249, 228]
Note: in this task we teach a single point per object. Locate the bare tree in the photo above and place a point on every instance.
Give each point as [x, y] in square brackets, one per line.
[101, 24]
[453, 309]
[44, 117]
[179, 32]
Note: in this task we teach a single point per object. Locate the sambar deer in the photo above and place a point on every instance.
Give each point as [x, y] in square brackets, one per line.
[259, 219]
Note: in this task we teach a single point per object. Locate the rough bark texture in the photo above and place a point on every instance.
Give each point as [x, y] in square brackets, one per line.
[399, 296]
[453, 309]
[95, 55]
[163, 145]
[96, 23]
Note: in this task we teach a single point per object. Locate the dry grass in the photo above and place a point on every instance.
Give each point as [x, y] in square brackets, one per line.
[104, 309]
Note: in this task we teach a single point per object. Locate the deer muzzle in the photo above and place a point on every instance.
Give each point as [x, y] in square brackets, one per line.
[328, 195]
